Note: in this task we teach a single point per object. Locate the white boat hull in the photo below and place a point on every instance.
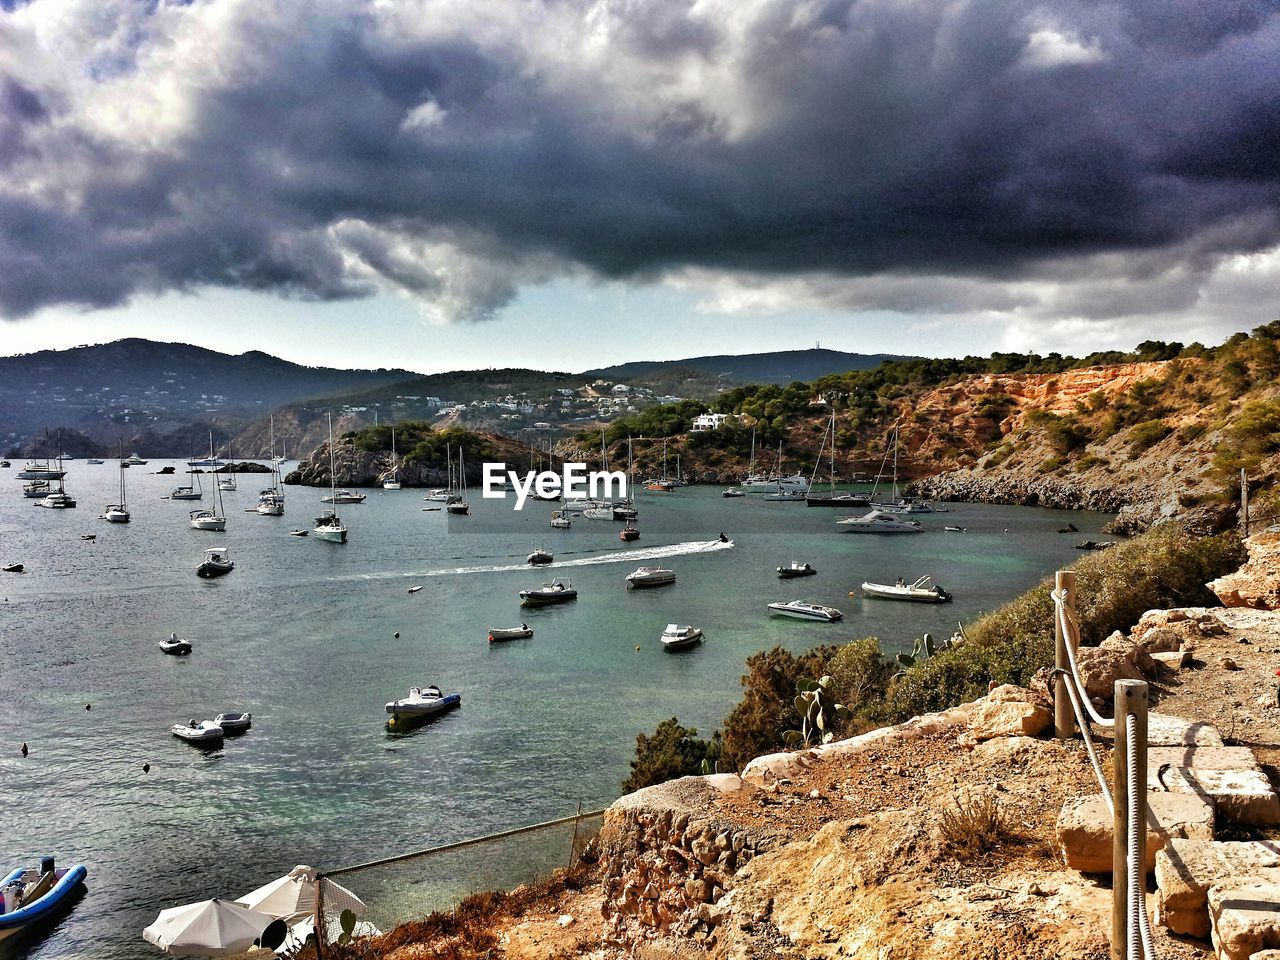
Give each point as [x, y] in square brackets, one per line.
[217, 524]
[331, 535]
[824, 614]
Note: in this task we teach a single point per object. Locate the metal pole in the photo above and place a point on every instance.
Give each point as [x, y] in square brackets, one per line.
[1131, 699]
[1244, 500]
[1064, 725]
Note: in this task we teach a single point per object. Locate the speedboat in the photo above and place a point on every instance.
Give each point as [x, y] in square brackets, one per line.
[207, 520]
[36, 489]
[330, 529]
[58, 501]
[918, 592]
[423, 702]
[176, 645]
[217, 562]
[234, 722]
[651, 577]
[500, 634]
[878, 521]
[559, 521]
[678, 637]
[204, 733]
[344, 496]
[95, 461]
[796, 570]
[5, 464]
[438, 495]
[803, 610]
[136, 461]
[733, 492]
[28, 897]
[558, 591]
[539, 557]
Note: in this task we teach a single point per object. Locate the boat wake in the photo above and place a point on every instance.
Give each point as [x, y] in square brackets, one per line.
[590, 560]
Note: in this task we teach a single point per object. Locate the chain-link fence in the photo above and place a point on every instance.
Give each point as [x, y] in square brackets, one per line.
[385, 893]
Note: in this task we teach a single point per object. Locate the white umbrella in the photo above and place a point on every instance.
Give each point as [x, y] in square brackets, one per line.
[293, 896]
[210, 928]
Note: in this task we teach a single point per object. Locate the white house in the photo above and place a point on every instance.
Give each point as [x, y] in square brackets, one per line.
[708, 421]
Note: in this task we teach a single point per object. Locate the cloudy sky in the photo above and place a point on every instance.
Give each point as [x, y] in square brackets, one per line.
[442, 183]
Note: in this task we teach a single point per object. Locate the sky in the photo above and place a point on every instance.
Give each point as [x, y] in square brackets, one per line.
[435, 184]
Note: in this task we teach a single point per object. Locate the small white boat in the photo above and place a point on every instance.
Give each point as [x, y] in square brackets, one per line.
[204, 733]
[207, 520]
[796, 569]
[919, 592]
[88, 536]
[234, 722]
[802, 610]
[499, 634]
[954, 529]
[560, 521]
[176, 645]
[95, 461]
[57, 501]
[227, 483]
[423, 702]
[330, 528]
[299, 533]
[136, 461]
[651, 577]
[270, 504]
[787, 496]
[186, 493]
[217, 562]
[539, 557]
[415, 589]
[438, 495]
[878, 521]
[680, 637]
[344, 496]
[558, 591]
[733, 493]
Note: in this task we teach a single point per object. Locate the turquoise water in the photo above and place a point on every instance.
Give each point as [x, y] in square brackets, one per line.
[302, 634]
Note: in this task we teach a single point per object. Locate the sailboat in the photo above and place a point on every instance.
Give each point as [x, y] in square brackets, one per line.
[662, 484]
[554, 495]
[228, 482]
[42, 469]
[458, 500]
[329, 527]
[189, 491]
[625, 509]
[271, 500]
[210, 461]
[832, 499]
[602, 509]
[58, 499]
[393, 482]
[118, 512]
[210, 519]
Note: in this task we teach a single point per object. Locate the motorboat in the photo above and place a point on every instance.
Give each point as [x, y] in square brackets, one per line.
[57, 501]
[557, 591]
[796, 569]
[954, 529]
[732, 493]
[32, 896]
[423, 702]
[95, 461]
[207, 520]
[136, 461]
[878, 521]
[651, 577]
[559, 521]
[5, 464]
[802, 610]
[629, 533]
[88, 536]
[36, 489]
[502, 634]
[680, 637]
[299, 533]
[234, 721]
[438, 495]
[176, 645]
[344, 496]
[13, 568]
[41, 470]
[203, 733]
[919, 592]
[539, 557]
[415, 589]
[217, 563]
[330, 528]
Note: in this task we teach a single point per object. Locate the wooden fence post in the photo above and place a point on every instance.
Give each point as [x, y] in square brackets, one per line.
[1064, 725]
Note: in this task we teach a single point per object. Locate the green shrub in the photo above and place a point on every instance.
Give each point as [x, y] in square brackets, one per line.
[859, 678]
[672, 751]
[1191, 431]
[1162, 568]
[767, 709]
[1089, 462]
[1257, 427]
[1147, 434]
[1050, 464]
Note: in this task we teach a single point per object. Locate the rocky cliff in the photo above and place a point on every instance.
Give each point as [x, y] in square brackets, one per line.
[355, 466]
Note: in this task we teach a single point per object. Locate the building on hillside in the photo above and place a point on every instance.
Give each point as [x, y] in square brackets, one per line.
[708, 421]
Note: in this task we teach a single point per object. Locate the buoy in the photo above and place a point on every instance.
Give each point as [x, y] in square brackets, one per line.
[24, 749]
[146, 768]
[88, 706]
[397, 634]
[637, 648]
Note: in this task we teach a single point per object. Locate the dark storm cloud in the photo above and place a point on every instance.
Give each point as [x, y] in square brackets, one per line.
[456, 150]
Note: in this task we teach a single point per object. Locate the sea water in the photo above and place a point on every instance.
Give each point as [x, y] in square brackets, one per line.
[303, 634]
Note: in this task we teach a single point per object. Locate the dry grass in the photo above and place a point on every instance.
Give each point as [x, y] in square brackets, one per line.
[972, 827]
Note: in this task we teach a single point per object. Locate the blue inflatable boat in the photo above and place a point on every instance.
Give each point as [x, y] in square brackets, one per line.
[28, 896]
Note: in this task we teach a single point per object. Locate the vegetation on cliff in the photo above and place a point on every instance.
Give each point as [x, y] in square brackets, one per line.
[1163, 568]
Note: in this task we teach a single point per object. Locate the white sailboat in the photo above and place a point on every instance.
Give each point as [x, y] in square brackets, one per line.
[215, 519]
[329, 527]
[457, 504]
[193, 490]
[119, 512]
[228, 481]
[271, 500]
[210, 461]
[393, 482]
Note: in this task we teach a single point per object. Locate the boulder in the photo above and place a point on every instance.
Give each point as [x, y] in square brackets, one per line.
[1240, 796]
[1257, 583]
[1134, 653]
[1246, 918]
[1007, 719]
[1186, 869]
[1101, 668]
[1160, 640]
[1084, 829]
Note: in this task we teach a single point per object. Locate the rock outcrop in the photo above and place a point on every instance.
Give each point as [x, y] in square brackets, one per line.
[1257, 583]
